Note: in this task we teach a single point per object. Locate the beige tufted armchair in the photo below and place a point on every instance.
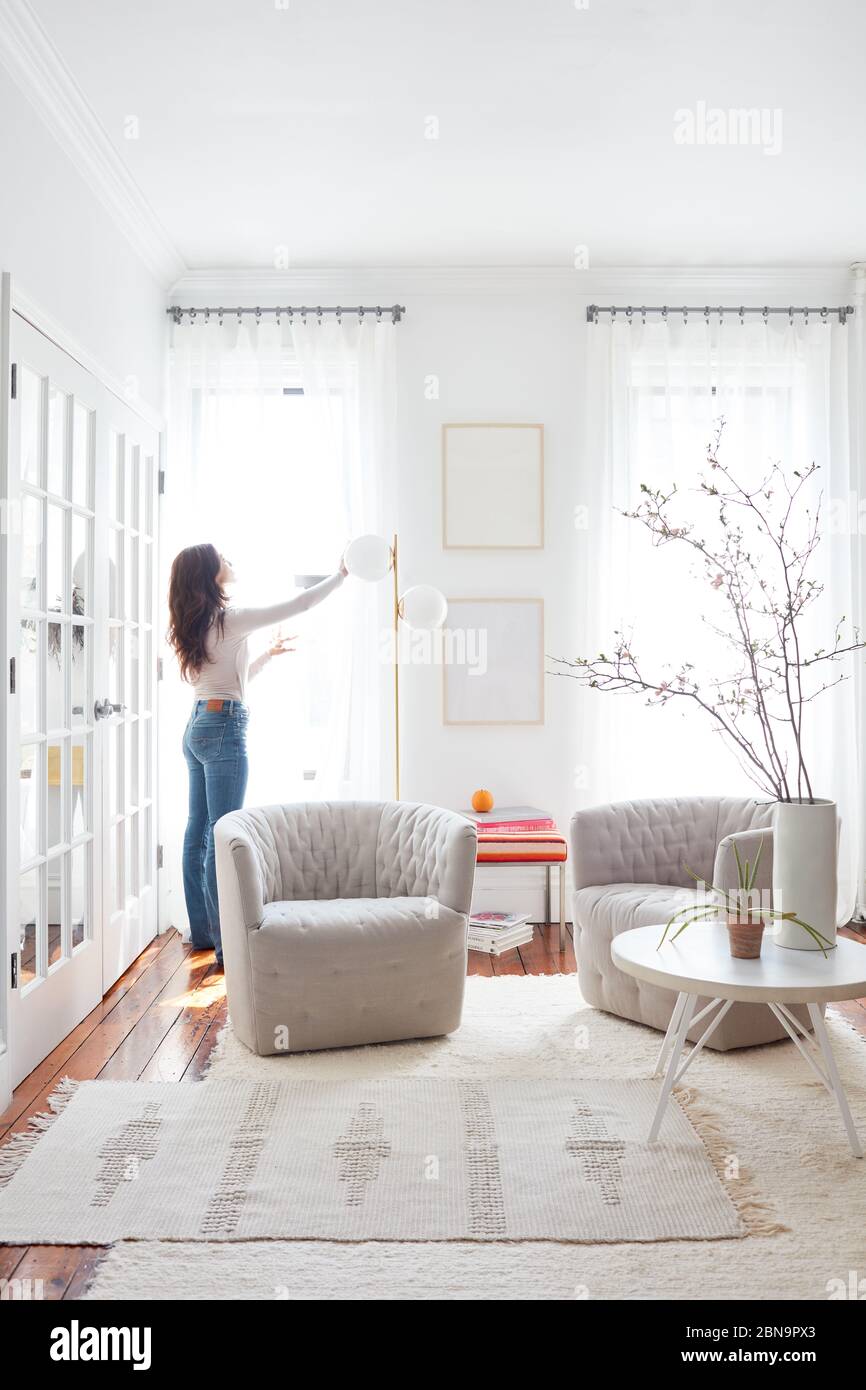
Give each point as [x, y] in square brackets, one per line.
[630, 861]
[343, 922]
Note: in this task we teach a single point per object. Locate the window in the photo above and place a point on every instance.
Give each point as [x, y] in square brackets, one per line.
[271, 499]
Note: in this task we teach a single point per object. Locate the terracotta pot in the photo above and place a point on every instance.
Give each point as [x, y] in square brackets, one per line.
[745, 939]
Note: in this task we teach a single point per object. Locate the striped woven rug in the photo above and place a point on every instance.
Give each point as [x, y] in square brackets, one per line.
[352, 1160]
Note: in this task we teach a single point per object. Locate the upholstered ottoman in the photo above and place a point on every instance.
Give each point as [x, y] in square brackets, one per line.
[547, 848]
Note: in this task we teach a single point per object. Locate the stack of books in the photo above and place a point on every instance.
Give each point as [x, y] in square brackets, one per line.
[511, 820]
[496, 932]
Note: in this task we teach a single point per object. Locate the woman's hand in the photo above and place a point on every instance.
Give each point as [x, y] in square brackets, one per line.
[279, 648]
[343, 570]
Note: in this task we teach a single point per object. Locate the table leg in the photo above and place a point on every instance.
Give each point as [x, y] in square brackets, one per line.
[834, 1079]
[799, 1037]
[563, 935]
[673, 1062]
[674, 1024]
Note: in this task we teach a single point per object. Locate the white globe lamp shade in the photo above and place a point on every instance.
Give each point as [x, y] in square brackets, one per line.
[424, 607]
[368, 558]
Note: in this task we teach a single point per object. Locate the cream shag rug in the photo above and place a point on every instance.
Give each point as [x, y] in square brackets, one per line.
[765, 1120]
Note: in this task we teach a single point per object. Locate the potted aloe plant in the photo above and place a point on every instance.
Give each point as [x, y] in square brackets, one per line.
[746, 915]
[755, 545]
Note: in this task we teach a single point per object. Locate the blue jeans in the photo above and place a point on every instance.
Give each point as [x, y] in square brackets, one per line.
[215, 748]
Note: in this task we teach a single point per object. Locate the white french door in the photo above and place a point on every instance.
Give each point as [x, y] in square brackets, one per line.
[80, 850]
[128, 833]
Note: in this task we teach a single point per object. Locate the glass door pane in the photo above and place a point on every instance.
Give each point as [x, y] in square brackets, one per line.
[28, 926]
[82, 460]
[58, 412]
[31, 426]
[81, 924]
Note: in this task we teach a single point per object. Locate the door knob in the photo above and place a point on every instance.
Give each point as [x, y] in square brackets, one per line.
[103, 709]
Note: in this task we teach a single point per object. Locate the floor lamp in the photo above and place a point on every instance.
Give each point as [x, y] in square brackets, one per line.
[421, 607]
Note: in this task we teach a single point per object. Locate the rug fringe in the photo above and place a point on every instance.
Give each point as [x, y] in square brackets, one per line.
[755, 1211]
[19, 1147]
[218, 1050]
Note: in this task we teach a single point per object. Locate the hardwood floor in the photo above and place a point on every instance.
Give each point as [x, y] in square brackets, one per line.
[160, 1023]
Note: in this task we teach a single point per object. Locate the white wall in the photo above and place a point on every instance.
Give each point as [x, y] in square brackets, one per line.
[67, 256]
[505, 358]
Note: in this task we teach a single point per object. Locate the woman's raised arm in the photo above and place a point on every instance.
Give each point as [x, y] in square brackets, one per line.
[244, 620]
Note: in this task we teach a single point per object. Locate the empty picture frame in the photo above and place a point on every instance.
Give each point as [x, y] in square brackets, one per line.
[493, 671]
[493, 487]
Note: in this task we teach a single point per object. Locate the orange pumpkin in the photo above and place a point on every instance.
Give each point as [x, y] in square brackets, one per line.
[482, 800]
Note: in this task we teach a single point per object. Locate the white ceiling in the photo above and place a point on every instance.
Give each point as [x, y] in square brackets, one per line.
[304, 127]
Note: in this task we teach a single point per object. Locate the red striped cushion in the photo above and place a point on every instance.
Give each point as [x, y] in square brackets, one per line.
[537, 847]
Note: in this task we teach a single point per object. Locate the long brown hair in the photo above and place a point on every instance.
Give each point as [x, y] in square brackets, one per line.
[195, 602]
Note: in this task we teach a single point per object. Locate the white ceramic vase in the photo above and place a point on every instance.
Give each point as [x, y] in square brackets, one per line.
[805, 842]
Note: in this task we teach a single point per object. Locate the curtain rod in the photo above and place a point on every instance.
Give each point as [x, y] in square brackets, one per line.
[396, 311]
[704, 310]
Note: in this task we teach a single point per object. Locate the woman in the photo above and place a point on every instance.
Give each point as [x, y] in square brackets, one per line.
[210, 640]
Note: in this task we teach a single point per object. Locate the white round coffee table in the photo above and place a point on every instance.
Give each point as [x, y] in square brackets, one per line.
[699, 963]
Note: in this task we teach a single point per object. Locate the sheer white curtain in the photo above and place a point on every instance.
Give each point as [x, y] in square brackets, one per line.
[348, 373]
[280, 450]
[656, 394]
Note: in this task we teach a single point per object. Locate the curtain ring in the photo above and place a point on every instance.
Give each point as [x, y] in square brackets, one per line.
[207, 315]
[319, 316]
[643, 315]
[192, 316]
[240, 320]
[378, 313]
[791, 315]
[765, 312]
[742, 314]
[339, 314]
[220, 317]
[685, 315]
[824, 314]
[361, 313]
[304, 315]
[628, 314]
[706, 313]
[665, 313]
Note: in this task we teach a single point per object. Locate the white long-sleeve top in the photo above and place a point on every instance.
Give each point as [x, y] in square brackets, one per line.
[224, 676]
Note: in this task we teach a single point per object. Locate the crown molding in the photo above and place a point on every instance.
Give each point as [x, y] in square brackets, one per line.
[37, 68]
[619, 284]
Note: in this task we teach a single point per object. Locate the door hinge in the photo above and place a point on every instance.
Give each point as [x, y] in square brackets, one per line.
[14, 970]
[14, 381]
[11, 675]
[159, 668]
[161, 485]
[159, 856]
